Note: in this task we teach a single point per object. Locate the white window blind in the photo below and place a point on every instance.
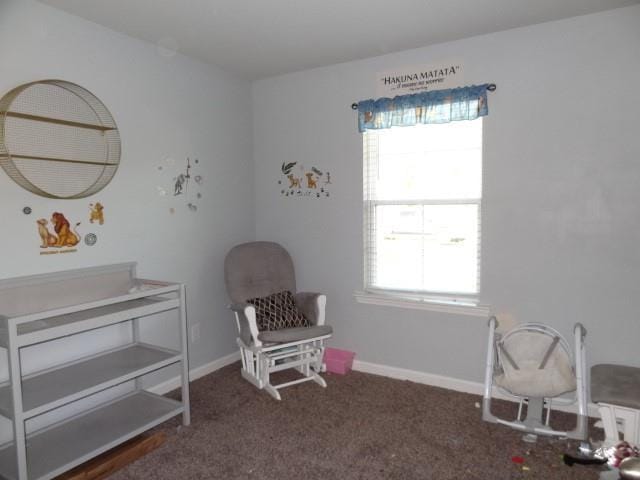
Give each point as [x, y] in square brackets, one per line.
[422, 202]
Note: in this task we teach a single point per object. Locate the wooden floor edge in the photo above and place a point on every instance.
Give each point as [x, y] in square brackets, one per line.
[113, 460]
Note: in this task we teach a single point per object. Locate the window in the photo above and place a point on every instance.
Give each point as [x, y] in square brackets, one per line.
[422, 198]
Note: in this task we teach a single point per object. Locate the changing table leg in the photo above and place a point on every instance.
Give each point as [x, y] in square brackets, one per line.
[19, 434]
[184, 338]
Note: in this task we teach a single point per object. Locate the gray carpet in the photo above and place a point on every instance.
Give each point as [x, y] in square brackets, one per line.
[361, 427]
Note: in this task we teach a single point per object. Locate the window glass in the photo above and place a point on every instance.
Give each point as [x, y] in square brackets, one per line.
[423, 188]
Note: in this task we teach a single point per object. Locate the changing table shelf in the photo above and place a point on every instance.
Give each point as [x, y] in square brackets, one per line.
[69, 382]
[53, 451]
[38, 331]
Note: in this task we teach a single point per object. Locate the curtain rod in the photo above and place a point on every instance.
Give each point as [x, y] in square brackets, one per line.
[491, 87]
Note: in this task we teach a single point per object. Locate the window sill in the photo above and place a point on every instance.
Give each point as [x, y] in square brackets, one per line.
[431, 305]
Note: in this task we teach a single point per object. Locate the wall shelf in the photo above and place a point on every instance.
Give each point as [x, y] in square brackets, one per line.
[46, 308]
[58, 121]
[57, 139]
[15, 156]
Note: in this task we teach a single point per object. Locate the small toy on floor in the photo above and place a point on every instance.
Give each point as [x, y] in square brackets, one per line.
[572, 460]
[623, 459]
[616, 454]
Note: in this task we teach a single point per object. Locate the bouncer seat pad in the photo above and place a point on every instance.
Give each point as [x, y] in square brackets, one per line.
[535, 365]
[532, 382]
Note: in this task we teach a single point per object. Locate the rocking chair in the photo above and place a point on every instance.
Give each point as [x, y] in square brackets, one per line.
[278, 329]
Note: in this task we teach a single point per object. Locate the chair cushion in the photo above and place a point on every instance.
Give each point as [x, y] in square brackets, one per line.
[616, 385]
[295, 334]
[278, 311]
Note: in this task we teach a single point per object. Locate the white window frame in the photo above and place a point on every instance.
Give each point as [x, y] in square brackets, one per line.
[451, 302]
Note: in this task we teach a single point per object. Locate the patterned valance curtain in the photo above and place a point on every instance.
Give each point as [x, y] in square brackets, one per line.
[437, 106]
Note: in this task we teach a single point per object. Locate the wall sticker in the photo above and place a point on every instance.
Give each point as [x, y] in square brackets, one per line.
[402, 81]
[299, 181]
[96, 213]
[62, 238]
[185, 184]
[90, 239]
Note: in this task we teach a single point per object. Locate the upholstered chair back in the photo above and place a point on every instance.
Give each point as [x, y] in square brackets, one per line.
[258, 269]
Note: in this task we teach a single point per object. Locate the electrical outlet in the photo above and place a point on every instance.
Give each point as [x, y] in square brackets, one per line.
[195, 333]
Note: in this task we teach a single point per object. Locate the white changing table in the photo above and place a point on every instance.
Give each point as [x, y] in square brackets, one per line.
[44, 308]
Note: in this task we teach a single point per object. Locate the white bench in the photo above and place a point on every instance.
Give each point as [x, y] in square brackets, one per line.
[616, 390]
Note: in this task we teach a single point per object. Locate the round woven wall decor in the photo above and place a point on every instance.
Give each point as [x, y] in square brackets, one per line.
[57, 139]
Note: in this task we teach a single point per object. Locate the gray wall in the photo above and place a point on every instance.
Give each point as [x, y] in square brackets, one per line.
[560, 228]
[165, 107]
[560, 187]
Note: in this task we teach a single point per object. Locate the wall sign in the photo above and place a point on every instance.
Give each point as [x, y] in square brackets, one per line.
[419, 79]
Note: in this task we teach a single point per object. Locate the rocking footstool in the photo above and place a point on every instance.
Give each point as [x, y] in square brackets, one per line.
[616, 390]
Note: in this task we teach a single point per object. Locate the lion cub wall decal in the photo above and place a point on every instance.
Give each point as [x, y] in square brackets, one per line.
[63, 236]
[308, 183]
[96, 213]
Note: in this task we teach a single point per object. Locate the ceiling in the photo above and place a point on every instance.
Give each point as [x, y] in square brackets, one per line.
[263, 38]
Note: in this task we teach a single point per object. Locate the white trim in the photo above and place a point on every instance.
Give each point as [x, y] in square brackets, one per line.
[196, 373]
[424, 304]
[448, 201]
[431, 379]
[450, 383]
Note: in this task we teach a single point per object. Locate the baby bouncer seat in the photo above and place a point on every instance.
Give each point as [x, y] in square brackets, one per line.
[533, 364]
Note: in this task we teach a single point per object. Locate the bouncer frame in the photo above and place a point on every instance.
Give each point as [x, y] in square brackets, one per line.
[532, 424]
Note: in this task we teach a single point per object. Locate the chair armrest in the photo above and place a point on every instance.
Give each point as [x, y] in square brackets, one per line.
[312, 306]
[240, 307]
[245, 314]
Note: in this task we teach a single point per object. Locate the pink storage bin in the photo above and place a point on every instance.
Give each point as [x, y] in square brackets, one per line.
[338, 361]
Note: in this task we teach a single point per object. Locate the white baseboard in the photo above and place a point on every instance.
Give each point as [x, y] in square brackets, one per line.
[450, 383]
[196, 373]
